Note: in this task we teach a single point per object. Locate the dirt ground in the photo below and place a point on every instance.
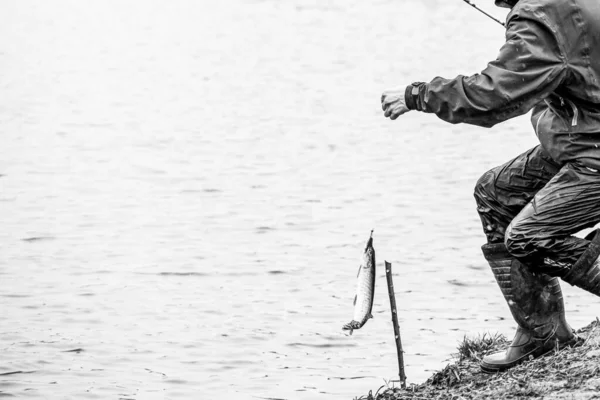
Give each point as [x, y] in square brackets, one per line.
[570, 373]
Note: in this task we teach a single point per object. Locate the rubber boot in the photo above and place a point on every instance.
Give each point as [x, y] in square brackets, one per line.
[585, 273]
[536, 304]
[585, 278]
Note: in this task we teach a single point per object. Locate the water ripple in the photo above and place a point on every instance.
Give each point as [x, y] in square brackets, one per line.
[174, 273]
[322, 345]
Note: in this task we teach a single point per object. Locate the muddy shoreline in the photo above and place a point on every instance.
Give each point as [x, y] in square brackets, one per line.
[570, 373]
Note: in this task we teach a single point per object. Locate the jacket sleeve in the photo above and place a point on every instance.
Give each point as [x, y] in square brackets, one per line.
[529, 67]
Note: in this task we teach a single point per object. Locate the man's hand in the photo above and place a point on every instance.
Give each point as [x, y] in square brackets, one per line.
[393, 103]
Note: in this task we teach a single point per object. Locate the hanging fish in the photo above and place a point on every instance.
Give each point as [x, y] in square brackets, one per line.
[365, 289]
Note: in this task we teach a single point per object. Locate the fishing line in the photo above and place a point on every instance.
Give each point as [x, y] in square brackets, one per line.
[483, 12]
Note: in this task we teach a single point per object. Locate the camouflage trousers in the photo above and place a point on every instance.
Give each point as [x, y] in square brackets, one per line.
[535, 205]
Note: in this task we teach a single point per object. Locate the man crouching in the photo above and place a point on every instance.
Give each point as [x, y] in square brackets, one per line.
[531, 206]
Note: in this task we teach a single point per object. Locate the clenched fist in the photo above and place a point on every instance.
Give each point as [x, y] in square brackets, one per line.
[393, 103]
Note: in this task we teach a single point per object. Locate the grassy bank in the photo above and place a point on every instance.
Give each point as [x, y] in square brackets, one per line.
[570, 373]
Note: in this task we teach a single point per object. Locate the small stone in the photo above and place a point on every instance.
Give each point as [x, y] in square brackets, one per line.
[593, 353]
[593, 383]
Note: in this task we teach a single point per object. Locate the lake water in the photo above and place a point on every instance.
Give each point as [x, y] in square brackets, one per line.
[186, 188]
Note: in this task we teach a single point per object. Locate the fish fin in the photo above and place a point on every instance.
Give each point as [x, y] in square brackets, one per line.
[355, 297]
[370, 315]
[359, 268]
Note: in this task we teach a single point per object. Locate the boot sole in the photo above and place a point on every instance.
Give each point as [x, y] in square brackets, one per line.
[495, 368]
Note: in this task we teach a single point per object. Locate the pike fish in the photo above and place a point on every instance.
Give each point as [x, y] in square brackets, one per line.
[365, 289]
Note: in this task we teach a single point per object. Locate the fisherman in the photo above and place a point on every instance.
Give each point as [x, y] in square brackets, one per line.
[532, 206]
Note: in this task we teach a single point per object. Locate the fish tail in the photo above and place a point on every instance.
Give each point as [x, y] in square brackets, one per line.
[370, 241]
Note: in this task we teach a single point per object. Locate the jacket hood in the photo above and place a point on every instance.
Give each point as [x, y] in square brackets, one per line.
[506, 3]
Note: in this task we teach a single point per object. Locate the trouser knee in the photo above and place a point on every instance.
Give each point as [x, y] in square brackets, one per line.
[521, 237]
[531, 249]
[519, 245]
[488, 207]
[483, 185]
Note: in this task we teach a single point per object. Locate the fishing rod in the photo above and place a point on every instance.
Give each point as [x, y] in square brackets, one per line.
[483, 12]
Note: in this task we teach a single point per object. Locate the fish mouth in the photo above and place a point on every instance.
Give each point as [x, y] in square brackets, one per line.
[351, 326]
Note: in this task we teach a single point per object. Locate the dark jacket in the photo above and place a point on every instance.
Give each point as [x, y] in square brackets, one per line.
[550, 63]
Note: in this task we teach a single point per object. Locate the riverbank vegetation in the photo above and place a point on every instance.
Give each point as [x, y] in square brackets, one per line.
[570, 373]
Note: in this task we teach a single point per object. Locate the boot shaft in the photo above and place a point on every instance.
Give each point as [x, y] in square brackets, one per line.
[585, 273]
[585, 277]
[535, 301]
